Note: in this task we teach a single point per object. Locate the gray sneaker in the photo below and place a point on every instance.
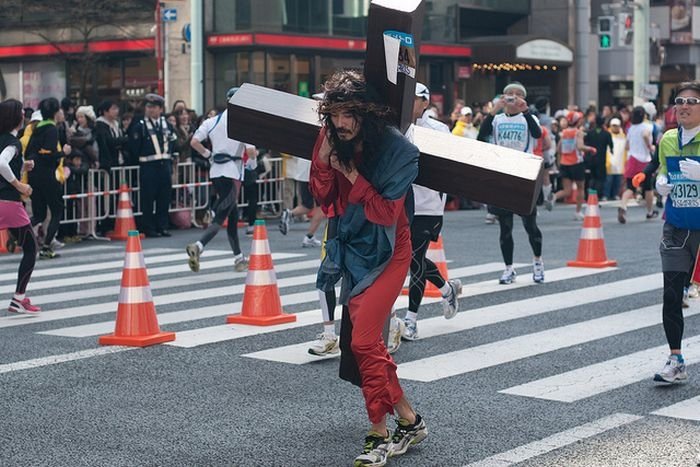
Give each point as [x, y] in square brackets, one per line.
[240, 263]
[193, 253]
[374, 453]
[450, 304]
[285, 219]
[407, 435]
[673, 371]
[549, 202]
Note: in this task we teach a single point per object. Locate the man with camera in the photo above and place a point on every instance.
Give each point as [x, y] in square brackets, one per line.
[514, 128]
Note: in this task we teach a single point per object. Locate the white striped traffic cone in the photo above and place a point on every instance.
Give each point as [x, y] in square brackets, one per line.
[261, 299]
[125, 216]
[137, 323]
[591, 245]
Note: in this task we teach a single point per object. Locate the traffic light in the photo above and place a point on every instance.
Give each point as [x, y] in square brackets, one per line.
[605, 24]
[625, 29]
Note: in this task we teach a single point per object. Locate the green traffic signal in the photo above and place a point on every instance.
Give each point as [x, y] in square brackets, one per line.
[605, 41]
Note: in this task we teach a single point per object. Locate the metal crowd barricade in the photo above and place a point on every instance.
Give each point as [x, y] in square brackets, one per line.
[269, 190]
[96, 195]
[90, 202]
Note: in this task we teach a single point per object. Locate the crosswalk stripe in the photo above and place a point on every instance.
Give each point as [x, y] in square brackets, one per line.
[80, 268]
[214, 334]
[688, 409]
[152, 272]
[298, 353]
[55, 359]
[67, 258]
[509, 350]
[557, 441]
[189, 280]
[100, 328]
[605, 376]
[9, 258]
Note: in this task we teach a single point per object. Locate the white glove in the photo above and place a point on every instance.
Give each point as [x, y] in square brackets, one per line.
[690, 169]
[662, 186]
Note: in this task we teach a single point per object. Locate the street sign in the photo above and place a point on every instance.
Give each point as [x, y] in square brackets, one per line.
[169, 15]
[187, 32]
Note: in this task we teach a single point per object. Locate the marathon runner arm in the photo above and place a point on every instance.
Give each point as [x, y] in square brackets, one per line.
[6, 156]
[532, 126]
[486, 129]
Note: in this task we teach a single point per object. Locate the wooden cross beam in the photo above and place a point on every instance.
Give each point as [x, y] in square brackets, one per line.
[478, 171]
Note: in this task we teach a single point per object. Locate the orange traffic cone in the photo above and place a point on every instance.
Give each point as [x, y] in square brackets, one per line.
[591, 246]
[435, 253]
[137, 323]
[125, 216]
[261, 299]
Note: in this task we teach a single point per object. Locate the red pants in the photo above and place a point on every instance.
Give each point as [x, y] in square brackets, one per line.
[368, 313]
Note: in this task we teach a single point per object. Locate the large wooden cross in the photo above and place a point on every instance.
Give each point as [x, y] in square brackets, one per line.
[451, 164]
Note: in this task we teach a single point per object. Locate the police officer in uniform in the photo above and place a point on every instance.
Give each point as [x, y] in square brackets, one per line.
[151, 139]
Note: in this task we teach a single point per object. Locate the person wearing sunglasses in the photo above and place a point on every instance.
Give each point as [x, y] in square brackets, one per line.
[679, 180]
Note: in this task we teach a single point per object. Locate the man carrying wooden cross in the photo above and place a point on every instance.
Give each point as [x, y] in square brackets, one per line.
[364, 168]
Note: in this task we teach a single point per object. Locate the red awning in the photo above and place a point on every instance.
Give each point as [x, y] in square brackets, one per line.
[323, 43]
[106, 46]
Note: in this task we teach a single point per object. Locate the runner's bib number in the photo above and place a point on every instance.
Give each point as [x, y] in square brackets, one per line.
[686, 193]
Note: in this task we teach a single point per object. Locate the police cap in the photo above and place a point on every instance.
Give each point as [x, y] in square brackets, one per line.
[153, 99]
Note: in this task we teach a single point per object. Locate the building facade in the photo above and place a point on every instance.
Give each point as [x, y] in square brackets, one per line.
[674, 50]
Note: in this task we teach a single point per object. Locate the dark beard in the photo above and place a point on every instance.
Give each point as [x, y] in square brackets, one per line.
[344, 150]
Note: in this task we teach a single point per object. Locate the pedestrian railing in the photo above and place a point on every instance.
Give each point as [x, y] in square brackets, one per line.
[93, 197]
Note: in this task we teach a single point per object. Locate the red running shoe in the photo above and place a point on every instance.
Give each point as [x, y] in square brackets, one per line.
[23, 306]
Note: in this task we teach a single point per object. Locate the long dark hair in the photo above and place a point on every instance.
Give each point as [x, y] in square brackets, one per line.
[347, 91]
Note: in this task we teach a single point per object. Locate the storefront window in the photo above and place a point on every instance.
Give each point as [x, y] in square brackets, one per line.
[41, 80]
[278, 73]
[126, 79]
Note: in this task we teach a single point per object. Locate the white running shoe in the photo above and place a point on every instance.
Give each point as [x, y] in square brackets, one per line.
[490, 219]
[693, 291]
[310, 242]
[56, 245]
[508, 276]
[538, 272]
[673, 371]
[450, 303]
[579, 216]
[410, 330]
[325, 344]
[374, 453]
[395, 331]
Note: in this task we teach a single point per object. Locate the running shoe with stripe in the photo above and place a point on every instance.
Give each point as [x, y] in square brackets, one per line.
[23, 306]
[673, 371]
[325, 344]
[285, 220]
[508, 276]
[193, 253]
[395, 331]
[450, 303]
[409, 330]
[407, 435]
[538, 272]
[47, 253]
[374, 453]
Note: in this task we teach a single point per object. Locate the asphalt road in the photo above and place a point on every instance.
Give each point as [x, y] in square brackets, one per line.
[557, 374]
